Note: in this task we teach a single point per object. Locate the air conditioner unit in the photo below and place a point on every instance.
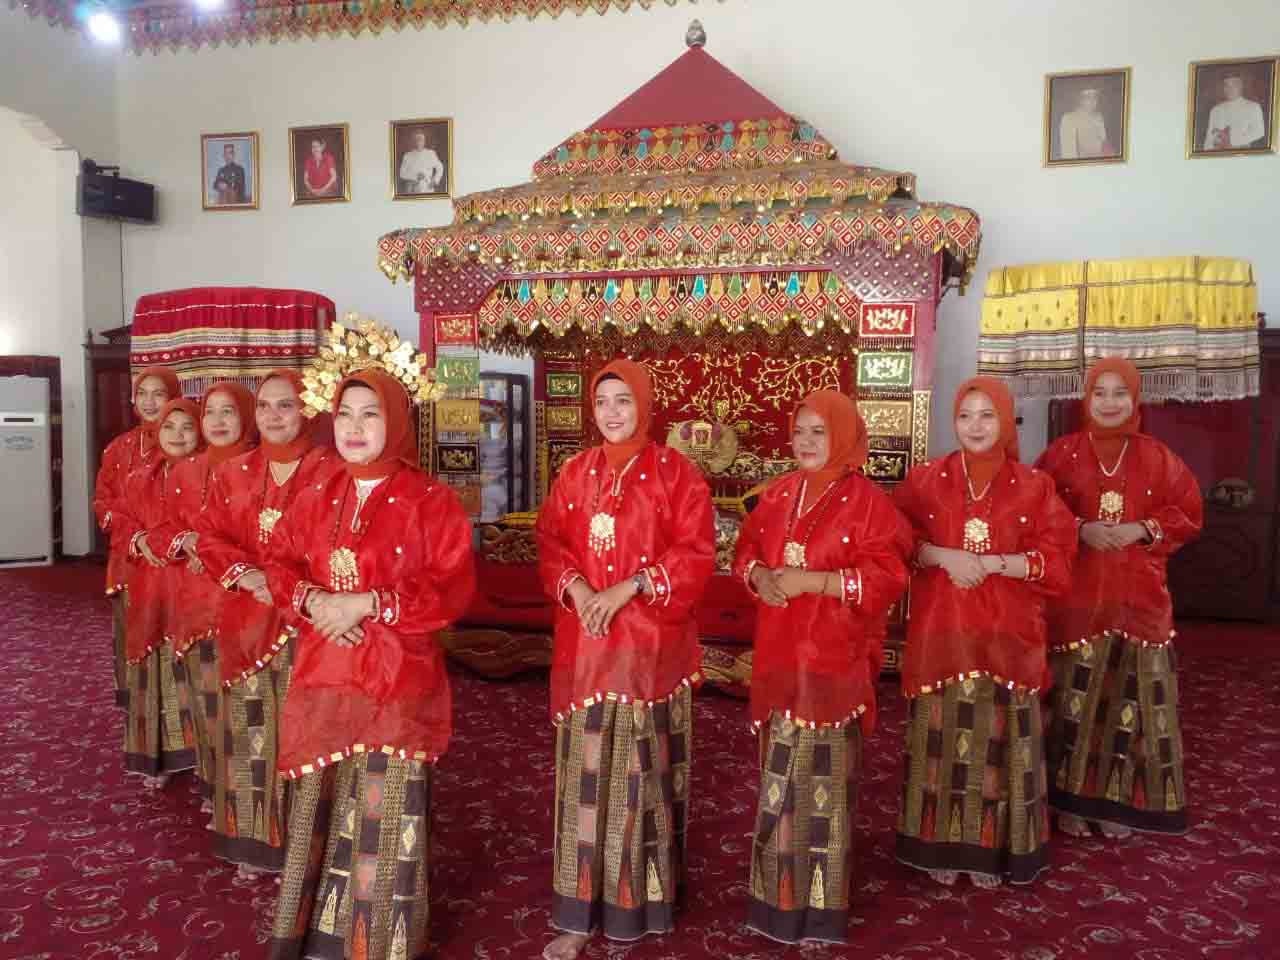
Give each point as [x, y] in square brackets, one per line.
[26, 500]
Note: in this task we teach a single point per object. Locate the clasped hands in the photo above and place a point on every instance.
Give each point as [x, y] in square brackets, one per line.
[187, 549]
[1103, 535]
[596, 609]
[337, 616]
[776, 586]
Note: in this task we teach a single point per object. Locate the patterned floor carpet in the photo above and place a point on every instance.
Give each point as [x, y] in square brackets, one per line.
[92, 867]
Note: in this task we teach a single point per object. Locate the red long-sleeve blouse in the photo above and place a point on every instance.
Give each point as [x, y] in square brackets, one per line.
[1124, 590]
[816, 659]
[243, 506]
[132, 450]
[197, 598]
[998, 627]
[664, 527]
[142, 508]
[412, 547]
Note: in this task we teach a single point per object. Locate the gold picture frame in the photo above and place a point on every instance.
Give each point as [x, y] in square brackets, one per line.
[227, 183]
[1256, 87]
[437, 147]
[305, 163]
[1086, 117]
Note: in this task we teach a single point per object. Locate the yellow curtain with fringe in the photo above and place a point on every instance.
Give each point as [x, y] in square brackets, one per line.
[1188, 323]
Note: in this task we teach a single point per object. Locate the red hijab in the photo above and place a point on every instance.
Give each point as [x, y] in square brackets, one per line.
[982, 467]
[182, 405]
[243, 400]
[171, 384]
[847, 441]
[299, 445]
[635, 376]
[401, 445]
[1109, 441]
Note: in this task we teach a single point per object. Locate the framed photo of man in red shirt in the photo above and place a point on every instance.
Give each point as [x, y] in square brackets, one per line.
[319, 164]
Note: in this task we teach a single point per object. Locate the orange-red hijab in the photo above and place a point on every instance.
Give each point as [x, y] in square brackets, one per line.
[982, 467]
[182, 405]
[171, 383]
[1109, 441]
[400, 447]
[847, 441]
[299, 445]
[245, 405]
[635, 376]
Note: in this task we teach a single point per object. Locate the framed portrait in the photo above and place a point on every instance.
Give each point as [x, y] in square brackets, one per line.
[1086, 117]
[320, 164]
[421, 158]
[229, 171]
[1232, 107]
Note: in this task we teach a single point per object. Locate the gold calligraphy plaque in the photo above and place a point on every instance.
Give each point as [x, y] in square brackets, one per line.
[564, 419]
[886, 418]
[458, 416]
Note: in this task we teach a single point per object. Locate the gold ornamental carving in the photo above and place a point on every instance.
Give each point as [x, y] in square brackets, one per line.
[887, 418]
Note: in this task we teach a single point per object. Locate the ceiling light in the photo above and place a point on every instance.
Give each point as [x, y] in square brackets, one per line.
[104, 27]
[209, 4]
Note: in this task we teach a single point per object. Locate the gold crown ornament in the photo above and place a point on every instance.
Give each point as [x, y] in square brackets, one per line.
[361, 343]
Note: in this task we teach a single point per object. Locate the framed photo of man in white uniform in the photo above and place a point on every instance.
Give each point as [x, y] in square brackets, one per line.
[1232, 107]
[421, 158]
[1086, 117]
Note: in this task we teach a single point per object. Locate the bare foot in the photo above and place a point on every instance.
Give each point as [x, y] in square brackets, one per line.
[1073, 826]
[945, 877]
[987, 881]
[249, 872]
[156, 783]
[206, 806]
[565, 947]
[1115, 831]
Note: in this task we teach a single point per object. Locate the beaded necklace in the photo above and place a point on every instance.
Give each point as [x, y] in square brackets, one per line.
[602, 533]
[793, 550]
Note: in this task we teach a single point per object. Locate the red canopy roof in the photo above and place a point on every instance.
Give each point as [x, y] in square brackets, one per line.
[696, 88]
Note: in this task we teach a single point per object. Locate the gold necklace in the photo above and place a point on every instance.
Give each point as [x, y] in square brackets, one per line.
[602, 532]
[269, 516]
[793, 551]
[1111, 503]
[977, 531]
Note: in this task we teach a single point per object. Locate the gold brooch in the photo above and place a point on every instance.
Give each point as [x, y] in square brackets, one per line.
[601, 535]
[1111, 506]
[344, 576]
[267, 522]
[977, 535]
[793, 554]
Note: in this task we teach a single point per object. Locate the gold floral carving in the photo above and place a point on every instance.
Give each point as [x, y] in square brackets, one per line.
[920, 426]
[507, 545]
[456, 459]
[564, 419]
[458, 416]
[542, 454]
[887, 418]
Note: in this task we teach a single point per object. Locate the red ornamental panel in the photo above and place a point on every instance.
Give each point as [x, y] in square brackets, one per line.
[455, 330]
[887, 320]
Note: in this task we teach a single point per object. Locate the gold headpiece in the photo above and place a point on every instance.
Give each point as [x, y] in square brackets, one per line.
[363, 344]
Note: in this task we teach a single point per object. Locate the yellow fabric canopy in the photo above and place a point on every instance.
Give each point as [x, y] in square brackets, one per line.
[1189, 323]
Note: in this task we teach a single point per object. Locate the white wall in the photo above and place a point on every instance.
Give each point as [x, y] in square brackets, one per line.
[42, 297]
[950, 90]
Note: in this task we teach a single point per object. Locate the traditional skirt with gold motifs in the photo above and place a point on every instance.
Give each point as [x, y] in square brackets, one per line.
[119, 661]
[158, 738]
[196, 674]
[355, 875]
[1114, 743]
[622, 793]
[251, 797]
[801, 861]
[974, 791]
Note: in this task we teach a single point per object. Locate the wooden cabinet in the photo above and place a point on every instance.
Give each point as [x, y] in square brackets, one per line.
[111, 403]
[1232, 572]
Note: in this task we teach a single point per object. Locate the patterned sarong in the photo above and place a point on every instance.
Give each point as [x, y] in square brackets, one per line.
[974, 796]
[355, 876]
[1114, 743]
[156, 738]
[622, 788]
[801, 861]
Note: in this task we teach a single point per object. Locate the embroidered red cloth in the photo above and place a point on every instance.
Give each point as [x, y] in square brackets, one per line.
[149, 612]
[133, 450]
[662, 523]
[815, 656]
[233, 540]
[997, 627]
[1123, 589]
[206, 334]
[413, 548]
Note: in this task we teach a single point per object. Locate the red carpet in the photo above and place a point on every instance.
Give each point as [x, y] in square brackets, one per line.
[93, 868]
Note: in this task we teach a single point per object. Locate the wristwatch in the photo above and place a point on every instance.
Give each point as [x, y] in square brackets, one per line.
[638, 580]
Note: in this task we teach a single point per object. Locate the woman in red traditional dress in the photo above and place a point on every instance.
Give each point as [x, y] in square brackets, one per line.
[157, 741]
[626, 544]
[248, 495]
[134, 449]
[993, 543]
[226, 424]
[824, 553]
[374, 561]
[1114, 744]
